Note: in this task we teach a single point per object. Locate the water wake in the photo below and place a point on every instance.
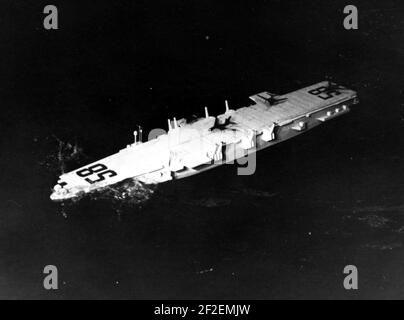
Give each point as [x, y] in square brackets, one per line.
[130, 192]
[67, 154]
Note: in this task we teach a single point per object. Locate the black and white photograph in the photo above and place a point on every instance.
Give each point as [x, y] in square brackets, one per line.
[201, 156]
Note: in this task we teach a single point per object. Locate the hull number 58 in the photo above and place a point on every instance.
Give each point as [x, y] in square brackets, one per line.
[99, 171]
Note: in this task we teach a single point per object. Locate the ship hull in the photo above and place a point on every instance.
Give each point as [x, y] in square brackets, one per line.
[206, 143]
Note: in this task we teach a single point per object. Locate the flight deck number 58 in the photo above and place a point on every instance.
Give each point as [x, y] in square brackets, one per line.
[324, 93]
[100, 170]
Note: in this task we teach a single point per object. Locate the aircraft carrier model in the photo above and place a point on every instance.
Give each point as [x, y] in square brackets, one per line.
[191, 147]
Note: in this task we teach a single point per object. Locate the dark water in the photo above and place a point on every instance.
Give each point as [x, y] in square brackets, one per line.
[321, 201]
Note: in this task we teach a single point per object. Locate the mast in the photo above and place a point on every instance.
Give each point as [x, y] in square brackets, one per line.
[206, 112]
